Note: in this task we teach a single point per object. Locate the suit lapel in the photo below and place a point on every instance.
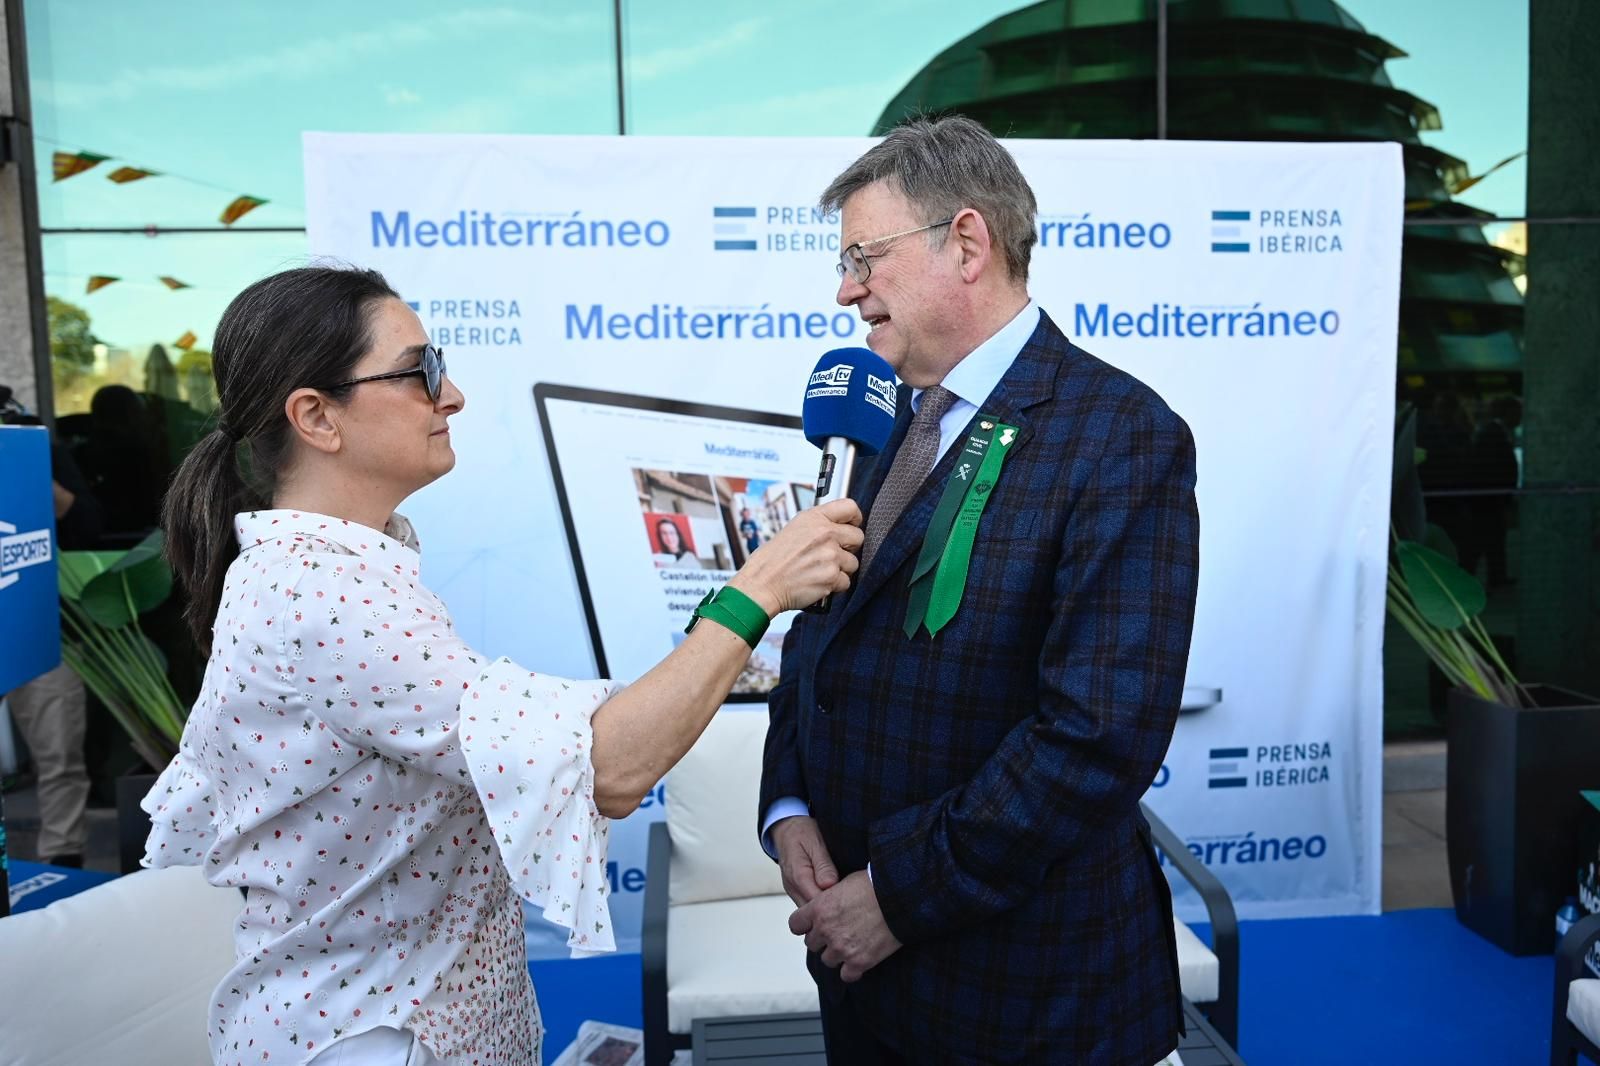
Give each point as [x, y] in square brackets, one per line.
[1029, 381]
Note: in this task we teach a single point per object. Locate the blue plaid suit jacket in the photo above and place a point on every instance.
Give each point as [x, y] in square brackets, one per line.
[991, 775]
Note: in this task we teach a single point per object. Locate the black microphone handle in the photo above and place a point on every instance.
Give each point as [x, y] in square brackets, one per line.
[833, 483]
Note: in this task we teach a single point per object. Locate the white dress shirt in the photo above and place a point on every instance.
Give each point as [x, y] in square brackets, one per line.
[972, 380]
[385, 795]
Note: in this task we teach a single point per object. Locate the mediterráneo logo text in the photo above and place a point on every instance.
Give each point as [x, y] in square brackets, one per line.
[1242, 849]
[483, 229]
[1172, 320]
[1088, 231]
[733, 451]
[664, 322]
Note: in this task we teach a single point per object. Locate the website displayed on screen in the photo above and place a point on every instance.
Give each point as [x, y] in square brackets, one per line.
[663, 502]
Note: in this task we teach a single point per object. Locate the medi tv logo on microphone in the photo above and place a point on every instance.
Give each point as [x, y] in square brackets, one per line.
[834, 381]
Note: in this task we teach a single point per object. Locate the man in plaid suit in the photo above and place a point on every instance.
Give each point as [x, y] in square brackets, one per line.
[957, 816]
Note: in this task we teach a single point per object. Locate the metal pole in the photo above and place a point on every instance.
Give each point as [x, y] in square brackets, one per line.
[167, 231]
[28, 190]
[1161, 70]
[622, 99]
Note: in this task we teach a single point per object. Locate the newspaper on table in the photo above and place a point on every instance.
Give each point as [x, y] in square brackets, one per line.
[601, 1044]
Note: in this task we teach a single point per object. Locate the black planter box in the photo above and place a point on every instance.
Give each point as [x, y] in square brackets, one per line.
[1511, 813]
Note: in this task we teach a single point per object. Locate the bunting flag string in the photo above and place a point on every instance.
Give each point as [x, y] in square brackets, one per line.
[66, 163]
[94, 282]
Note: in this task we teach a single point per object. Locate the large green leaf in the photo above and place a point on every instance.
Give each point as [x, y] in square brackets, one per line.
[1406, 511]
[74, 570]
[135, 583]
[1446, 595]
[1440, 541]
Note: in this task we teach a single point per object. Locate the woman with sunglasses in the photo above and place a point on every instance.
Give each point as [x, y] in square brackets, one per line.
[385, 795]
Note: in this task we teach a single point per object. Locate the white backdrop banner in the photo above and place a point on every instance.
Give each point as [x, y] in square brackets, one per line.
[1254, 286]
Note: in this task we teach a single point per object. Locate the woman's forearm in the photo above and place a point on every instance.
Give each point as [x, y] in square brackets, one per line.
[642, 731]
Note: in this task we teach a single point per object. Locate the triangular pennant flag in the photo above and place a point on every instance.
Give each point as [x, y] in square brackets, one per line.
[186, 341]
[99, 281]
[123, 175]
[65, 164]
[173, 283]
[1462, 186]
[239, 208]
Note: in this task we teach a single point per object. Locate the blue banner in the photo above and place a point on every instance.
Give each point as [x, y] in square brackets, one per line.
[30, 625]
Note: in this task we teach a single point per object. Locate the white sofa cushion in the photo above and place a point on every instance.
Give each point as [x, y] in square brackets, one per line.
[122, 973]
[738, 957]
[1583, 1006]
[1199, 972]
[735, 957]
[711, 813]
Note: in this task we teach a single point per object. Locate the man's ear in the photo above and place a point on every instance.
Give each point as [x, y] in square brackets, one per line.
[973, 240]
[313, 419]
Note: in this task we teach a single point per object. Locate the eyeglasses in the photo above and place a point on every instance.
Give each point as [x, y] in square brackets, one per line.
[431, 367]
[855, 262]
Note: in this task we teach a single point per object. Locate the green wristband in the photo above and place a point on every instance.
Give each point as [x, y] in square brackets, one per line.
[733, 610]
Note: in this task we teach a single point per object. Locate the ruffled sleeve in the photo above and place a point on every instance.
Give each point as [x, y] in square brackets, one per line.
[526, 739]
[182, 808]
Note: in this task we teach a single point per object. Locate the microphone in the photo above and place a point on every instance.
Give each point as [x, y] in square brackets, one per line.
[848, 412]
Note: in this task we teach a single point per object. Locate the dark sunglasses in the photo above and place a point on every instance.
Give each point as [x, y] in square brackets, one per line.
[431, 368]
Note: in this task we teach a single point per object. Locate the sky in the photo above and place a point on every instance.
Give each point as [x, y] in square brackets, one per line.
[215, 96]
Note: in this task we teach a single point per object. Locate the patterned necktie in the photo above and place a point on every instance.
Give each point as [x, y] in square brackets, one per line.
[912, 464]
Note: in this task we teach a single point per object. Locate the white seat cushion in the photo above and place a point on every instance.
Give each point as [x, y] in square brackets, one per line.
[735, 957]
[122, 973]
[1199, 972]
[1583, 1007]
[711, 813]
[738, 957]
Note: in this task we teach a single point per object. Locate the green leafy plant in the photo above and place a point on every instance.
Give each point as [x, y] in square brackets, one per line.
[1433, 598]
[102, 596]
[1438, 603]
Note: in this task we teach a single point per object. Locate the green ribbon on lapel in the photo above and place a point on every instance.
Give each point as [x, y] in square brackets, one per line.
[940, 576]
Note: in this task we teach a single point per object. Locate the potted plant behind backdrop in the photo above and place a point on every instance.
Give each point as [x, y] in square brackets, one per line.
[102, 596]
[1518, 754]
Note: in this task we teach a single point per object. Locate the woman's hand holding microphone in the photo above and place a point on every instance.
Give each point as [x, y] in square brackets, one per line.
[812, 557]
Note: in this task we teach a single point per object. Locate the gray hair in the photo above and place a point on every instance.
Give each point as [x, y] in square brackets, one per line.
[942, 166]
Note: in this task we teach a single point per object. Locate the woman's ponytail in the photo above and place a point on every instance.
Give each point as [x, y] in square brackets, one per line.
[197, 515]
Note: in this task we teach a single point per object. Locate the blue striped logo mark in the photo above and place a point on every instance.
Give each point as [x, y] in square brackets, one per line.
[1224, 761]
[731, 229]
[1225, 231]
[415, 305]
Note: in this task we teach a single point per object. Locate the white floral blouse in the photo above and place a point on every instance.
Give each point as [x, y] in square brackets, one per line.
[384, 795]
